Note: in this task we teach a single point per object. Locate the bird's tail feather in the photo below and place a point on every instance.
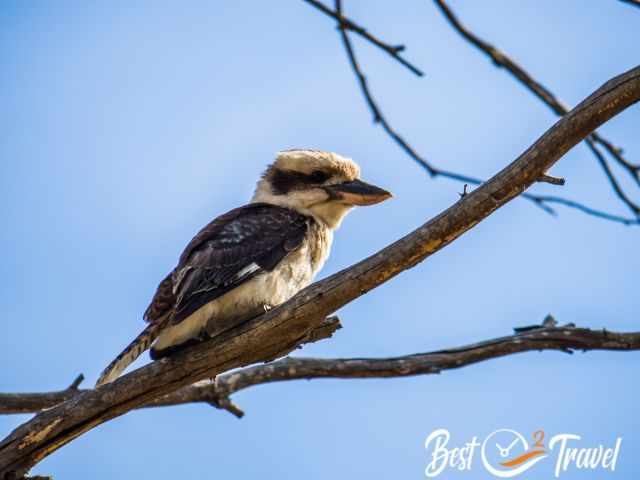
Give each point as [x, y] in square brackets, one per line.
[141, 343]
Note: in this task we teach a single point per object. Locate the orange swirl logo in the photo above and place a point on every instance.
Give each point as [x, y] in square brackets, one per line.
[508, 466]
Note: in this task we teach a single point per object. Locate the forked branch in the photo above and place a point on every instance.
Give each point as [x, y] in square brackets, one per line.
[501, 59]
[544, 202]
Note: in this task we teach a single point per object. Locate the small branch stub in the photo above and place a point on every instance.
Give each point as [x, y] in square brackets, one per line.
[76, 383]
[544, 178]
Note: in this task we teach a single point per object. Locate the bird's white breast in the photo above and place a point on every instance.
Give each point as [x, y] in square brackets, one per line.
[292, 274]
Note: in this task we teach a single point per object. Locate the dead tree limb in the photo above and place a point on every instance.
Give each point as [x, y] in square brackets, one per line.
[541, 201]
[500, 59]
[564, 339]
[283, 328]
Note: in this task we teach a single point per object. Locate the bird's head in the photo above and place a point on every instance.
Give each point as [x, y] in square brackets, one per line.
[324, 185]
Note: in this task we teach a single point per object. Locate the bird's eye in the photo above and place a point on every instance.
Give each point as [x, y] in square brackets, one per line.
[318, 176]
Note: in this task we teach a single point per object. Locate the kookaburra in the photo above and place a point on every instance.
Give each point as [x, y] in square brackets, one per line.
[255, 256]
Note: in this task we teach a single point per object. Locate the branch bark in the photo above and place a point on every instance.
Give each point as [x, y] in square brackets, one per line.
[566, 339]
[286, 326]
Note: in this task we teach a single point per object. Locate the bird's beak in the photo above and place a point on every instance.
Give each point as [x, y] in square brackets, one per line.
[357, 192]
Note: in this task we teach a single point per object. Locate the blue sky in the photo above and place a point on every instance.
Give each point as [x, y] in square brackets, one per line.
[126, 126]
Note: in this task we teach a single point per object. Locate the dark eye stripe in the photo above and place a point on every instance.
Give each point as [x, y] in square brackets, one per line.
[318, 176]
[283, 181]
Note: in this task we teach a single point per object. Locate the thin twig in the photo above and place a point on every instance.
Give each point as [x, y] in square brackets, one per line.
[500, 59]
[616, 152]
[540, 201]
[393, 50]
[611, 177]
[545, 199]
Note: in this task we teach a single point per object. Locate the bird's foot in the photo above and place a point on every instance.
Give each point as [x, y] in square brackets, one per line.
[202, 336]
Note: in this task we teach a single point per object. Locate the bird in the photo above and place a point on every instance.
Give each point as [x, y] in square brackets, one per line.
[254, 257]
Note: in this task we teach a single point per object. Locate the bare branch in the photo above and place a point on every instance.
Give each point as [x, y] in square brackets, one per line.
[290, 324]
[611, 177]
[537, 338]
[393, 50]
[500, 59]
[546, 199]
[540, 201]
[616, 153]
[33, 402]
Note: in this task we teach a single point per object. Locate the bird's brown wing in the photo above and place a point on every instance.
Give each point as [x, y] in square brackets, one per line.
[229, 251]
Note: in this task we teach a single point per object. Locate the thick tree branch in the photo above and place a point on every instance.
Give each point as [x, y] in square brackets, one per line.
[541, 201]
[500, 59]
[35, 402]
[393, 50]
[565, 339]
[288, 325]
